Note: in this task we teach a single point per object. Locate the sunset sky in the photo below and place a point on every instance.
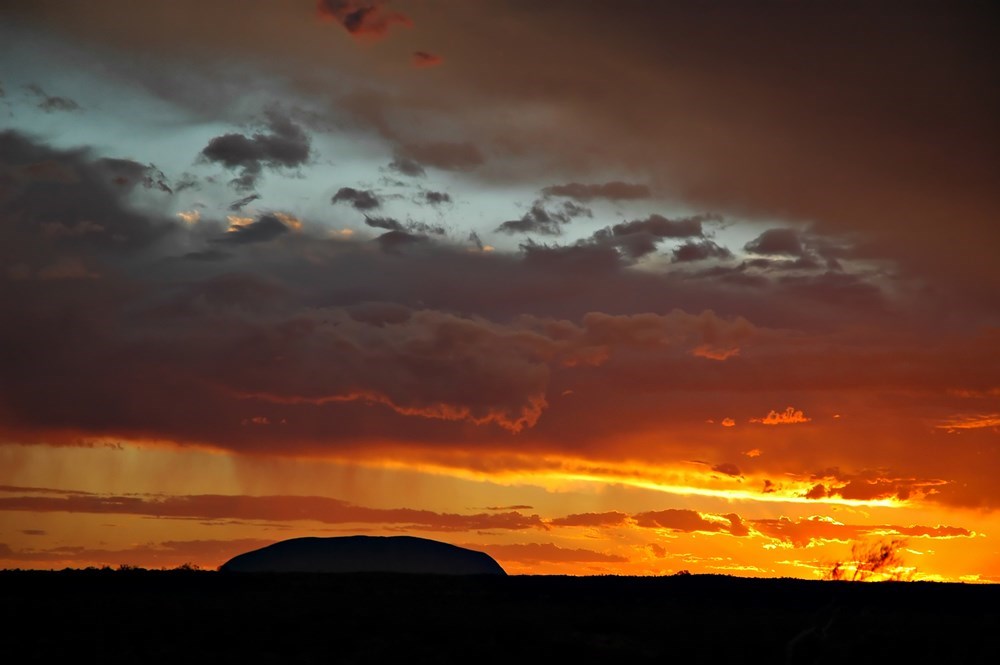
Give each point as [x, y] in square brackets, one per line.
[595, 287]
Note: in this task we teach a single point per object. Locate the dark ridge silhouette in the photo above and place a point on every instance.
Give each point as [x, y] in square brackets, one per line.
[168, 617]
[364, 554]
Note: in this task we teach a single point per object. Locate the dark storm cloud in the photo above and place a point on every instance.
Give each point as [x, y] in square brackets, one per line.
[444, 155]
[612, 191]
[361, 199]
[437, 198]
[211, 317]
[641, 237]
[536, 220]
[815, 127]
[528, 224]
[361, 18]
[874, 126]
[781, 242]
[271, 349]
[544, 221]
[387, 223]
[55, 201]
[789, 249]
[239, 204]
[792, 148]
[50, 103]
[659, 226]
[699, 251]
[407, 166]
[284, 145]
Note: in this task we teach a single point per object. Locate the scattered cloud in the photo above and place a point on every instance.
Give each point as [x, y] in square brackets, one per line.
[777, 242]
[966, 422]
[239, 204]
[611, 518]
[611, 191]
[49, 103]
[544, 221]
[422, 59]
[284, 144]
[363, 19]
[361, 199]
[684, 520]
[437, 198]
[387, 223]
[407, 166]
[640, 237]
[790, 416]
[700, 251]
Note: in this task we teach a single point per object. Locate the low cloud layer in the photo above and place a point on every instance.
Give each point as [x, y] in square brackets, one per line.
[257, 323]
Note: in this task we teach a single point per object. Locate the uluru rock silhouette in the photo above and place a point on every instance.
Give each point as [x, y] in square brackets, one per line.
[364, 554]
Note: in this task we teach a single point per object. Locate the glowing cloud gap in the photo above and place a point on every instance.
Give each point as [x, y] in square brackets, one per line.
[550, 475]
[981, 421]
[730, 495]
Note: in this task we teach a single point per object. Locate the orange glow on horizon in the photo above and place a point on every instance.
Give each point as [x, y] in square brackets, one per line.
[746, 533]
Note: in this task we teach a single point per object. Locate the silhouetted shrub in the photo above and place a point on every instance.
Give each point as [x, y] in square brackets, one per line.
[868, 560]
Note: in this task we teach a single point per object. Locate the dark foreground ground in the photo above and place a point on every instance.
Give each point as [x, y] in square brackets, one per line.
[210, 617]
